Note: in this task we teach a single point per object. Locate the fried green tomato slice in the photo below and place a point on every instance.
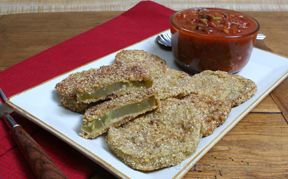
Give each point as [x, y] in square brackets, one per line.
[79, 90]
[167, 82]
[223, 86]
[158, 139]
[213, 112]
[113, 80]
[155, 66]
[96, 94]
[173, 83]
[66, 90]
[98, 119]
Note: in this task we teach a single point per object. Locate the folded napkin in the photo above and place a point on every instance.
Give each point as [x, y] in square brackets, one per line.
[143, 20]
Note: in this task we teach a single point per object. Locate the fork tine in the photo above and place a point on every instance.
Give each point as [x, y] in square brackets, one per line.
[168, 35]
[164, 39]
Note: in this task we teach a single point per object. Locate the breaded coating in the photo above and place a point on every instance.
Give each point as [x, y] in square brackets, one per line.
[213, 112]
[167, 82]
[223, 86]
[99, 118]
[173, 84]
[66, 90]
[155, 66]
[74, 105]
[81, 84]
[158, 139]
[111, 80]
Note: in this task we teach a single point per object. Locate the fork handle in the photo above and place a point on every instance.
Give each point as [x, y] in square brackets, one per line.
[41, 165]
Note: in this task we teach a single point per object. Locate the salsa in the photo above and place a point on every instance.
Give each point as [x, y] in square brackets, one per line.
[214, 22]
[212, 39]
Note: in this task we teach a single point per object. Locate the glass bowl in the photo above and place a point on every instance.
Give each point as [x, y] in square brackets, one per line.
[212, 39]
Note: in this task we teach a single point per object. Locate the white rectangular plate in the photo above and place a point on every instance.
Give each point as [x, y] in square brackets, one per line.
[41, 106]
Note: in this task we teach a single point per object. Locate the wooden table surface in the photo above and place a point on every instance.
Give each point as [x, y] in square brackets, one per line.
[256, 148]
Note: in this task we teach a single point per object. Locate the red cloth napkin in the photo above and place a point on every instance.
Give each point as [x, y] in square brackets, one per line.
[143, 20]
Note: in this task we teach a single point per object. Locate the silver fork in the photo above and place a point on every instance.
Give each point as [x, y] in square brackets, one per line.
[41, 165]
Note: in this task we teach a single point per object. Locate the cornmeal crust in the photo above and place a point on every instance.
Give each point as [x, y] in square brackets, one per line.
[85, 82]
[66, 90]
[155, 66]
[213, 112]
[158, 139]
[108, 75]
[167, 82]
[223, 86]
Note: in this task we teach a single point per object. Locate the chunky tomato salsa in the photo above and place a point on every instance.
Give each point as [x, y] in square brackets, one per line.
[214, 21]
[212, 39]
